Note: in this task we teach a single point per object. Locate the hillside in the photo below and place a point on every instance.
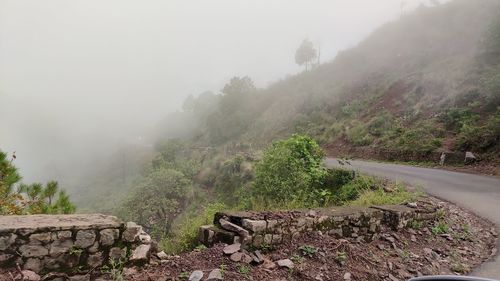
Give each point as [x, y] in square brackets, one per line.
[428, 82]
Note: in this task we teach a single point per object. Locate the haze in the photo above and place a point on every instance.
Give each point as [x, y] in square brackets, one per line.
[79, 78]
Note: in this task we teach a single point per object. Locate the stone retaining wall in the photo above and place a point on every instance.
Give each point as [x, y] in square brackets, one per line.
[268, 228]
[70, 243]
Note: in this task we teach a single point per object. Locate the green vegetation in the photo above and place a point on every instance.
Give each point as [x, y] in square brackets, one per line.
[290, 171]
[308, 250]
[185, 188]
[440, 228]
[18, 198]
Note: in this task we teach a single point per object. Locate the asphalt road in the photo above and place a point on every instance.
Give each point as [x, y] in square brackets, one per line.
[480, 194]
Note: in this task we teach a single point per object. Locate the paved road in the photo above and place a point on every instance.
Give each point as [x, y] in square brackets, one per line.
[480, 194]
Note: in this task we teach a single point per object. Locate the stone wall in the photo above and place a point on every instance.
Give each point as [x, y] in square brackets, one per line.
[70, 243]
[258, 228]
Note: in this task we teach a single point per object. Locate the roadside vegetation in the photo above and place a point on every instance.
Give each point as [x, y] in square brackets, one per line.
[184, 188]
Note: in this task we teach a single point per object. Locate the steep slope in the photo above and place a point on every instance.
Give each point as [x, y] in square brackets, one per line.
[427, 82]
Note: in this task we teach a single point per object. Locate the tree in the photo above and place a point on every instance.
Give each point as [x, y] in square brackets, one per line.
[29, 198]
[305, 54]
[158, 199]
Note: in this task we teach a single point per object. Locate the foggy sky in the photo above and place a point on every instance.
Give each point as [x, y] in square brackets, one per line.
[79, 76]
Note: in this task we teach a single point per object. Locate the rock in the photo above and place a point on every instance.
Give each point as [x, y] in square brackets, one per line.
[61, 235]
[246, 258]
[469, 158]
[381, 246]
[254, 225]
[141, 253]
[33, 251]
[196, 275]
[389, 239]
[131, 232]
[94, 248]
[162, 255]
[245, 235]
[215, 275]
[33, 264]
[447, 236]
[312, 213]
[145, 238]
[285, 263]
[6, 241]
[427, 251]
[412, 205]
[268, 264]
[347, 276]
[29, 275]
[85, 238]
[60, 246]
[236, 257]
[40, 238]
[231, 249]
[413, 238]
[108, 236]
[95, 260]
[117, 253]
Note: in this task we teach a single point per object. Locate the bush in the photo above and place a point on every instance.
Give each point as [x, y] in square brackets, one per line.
[454, 118]
[358, 135]
[480, 138]
[289, 171]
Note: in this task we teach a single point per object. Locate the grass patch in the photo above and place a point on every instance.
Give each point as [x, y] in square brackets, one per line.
[185, 236]
[380, 197]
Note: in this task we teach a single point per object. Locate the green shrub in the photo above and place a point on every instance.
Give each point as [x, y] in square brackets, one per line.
[380, 124]
[358, 135]
[289, 171]
[454, 118]
[480, 138]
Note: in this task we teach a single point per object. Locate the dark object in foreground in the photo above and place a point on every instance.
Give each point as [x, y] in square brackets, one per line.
[450, 278]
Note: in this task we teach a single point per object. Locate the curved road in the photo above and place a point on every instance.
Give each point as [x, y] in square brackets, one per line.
[480, 194]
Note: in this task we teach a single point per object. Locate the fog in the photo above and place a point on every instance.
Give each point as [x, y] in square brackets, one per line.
[80, 78]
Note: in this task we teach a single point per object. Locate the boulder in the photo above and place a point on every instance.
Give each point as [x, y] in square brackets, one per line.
[141, 253]
[131, 232]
